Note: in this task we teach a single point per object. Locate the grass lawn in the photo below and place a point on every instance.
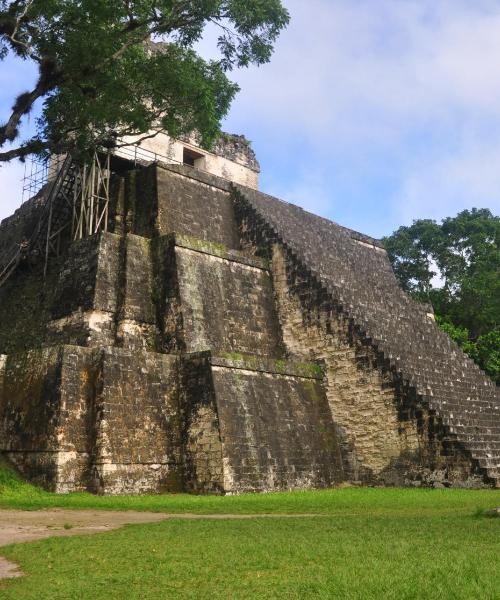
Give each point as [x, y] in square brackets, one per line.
[367, 543]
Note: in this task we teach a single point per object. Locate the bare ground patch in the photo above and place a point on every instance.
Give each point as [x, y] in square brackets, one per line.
[18, 526]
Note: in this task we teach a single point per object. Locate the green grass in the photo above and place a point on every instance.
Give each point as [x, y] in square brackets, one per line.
[367, 543]
[16, 493]
[353, 556]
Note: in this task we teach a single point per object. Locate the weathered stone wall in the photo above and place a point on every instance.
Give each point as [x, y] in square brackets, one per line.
[104, 294]
[227, 303]
[85, 299]
[201, 441]
[276, 429]
[25, 302]
[119, 421]
[44, 415]
[137, 433]
[253, 424]
[194, 208]
[388, 434]
[107, 420]
[136, 310]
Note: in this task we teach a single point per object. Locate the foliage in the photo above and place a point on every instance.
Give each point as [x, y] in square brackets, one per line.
[488, 351]
[460, 335]
[100, 77]
[455, 265]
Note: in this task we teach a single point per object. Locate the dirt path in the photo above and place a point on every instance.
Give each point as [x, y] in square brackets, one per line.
[26, 526]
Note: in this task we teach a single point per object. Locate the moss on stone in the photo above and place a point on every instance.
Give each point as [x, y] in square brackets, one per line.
[203, 245]
[280, 365]
[236, 356]
[312, 390]
[310, 369]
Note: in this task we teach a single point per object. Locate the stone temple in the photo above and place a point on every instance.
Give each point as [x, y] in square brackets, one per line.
[179, 330]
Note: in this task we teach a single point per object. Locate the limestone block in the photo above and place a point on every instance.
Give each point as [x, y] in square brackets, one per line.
[25, 302]
[201, 443]
[105, 292]
[137, 432]
[136, 311]
[86, 296]
[189, 206]
[88, 279]
[226, 304]
[80, 418]
[247, 429]
[276, 431]
[137, 304]
[45, 414]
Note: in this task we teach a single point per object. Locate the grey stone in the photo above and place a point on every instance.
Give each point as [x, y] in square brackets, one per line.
[218, 340]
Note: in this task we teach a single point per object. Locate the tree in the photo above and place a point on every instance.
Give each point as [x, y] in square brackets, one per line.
[99, 78]
[455, 266]
[412, 253]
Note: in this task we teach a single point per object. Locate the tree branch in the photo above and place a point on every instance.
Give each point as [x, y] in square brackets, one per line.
[33, 146]
[11, 31]
[22, 106]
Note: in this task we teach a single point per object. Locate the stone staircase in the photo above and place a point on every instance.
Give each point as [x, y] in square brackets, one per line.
[357, 274]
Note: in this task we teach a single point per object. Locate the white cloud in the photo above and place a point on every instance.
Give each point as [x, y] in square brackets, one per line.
[359, 68]
[470, 177]
[414, 83]
[399, 96]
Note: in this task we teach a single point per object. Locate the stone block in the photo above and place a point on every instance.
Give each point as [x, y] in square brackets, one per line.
[86, 295]
[104, 294]
[227, 305]
[137, 432]
[45, 414]
[77, 418]
[192, 207]
[247, 429]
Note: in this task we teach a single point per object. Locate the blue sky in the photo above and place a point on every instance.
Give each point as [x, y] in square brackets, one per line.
[372, 112]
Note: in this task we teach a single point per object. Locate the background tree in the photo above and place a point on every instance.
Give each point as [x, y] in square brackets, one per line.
[99, 79]
[455, 266]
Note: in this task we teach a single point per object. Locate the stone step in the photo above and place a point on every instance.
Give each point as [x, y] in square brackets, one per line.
[217, 250]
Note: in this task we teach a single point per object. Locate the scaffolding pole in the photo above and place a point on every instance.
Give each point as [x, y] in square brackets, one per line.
[91, 197]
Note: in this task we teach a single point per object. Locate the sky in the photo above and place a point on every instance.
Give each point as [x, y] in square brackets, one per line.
[372, 113]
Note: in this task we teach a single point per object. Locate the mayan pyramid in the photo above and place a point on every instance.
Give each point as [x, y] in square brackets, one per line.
[171, 328]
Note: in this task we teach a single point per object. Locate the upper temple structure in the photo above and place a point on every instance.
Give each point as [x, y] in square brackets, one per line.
[165, 326]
